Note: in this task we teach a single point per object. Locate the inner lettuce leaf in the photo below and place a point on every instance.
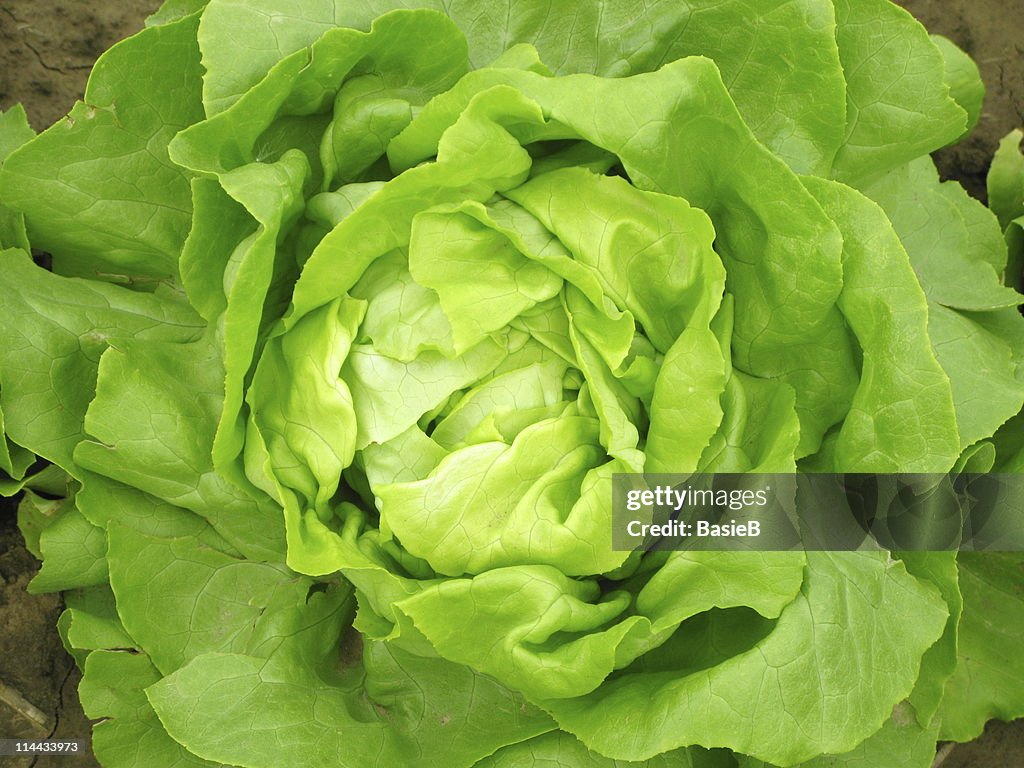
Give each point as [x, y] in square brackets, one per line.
[356, 309]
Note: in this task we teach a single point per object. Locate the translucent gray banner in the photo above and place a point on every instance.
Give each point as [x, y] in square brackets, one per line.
[31, 748]
[833, 512]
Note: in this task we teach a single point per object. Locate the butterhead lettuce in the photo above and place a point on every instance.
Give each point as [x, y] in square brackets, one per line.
[355, 308]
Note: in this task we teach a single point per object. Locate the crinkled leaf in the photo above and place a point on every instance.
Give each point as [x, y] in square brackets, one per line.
[282, 682]
[153, 421]
[97, 189]
[74, 554]
[55, 330]
[782, 65]
[789, 697]
[14, 130]
[966, 87]
[1005, 180]
[989, 677]
[561, 750]
[901, 742]
[898, 102]
[716, 164]
[130, 735]
[902, 416]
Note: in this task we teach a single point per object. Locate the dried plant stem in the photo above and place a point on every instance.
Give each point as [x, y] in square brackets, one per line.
[942, 754]
[13, 699]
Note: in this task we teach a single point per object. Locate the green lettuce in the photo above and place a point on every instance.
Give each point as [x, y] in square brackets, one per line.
[354, 310]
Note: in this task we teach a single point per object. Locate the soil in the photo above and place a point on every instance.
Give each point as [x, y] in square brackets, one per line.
[992, 32]
[46, 50]
[32, 660]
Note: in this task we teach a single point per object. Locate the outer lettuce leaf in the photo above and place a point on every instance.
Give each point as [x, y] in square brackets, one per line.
[36, 512]
[55, 330]
[980, 352]
[115, 674]
[975, 329]
[1005, 185]
[197, 589]
[73, 552]
[898, 102]
[92, 622]
[104, 502]
[153, 419]
[402, 709]
[1005, 182]
[267, 666]
[130, 735]
[989, 677]
[952, 259]
[98, 190]
[560, 750]
[902, 417]
[14, 463]
[901, 742]
[804, 701]
[965, 84]
[778, 64]
[173, 10]
[14, 130]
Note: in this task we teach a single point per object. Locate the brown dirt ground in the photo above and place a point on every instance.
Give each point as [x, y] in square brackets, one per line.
[31, 657]
[46, 50]
[992, 32]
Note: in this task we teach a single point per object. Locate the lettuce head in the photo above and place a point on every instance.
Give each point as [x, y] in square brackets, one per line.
[353, 310]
